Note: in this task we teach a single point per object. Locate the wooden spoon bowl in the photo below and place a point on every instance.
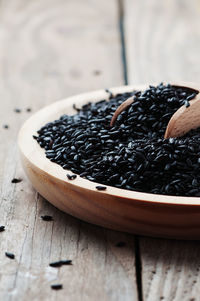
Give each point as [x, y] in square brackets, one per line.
[119, 209]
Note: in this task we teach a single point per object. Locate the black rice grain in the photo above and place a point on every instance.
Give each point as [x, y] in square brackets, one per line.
[57, 264]
[15, 180]
[6, 126]
[47, 218]
[10, 255]
[132, 154]
[101, 188]
[17, 110]
[2, 228]
[187, 104]
[71, 177]
[56, 286]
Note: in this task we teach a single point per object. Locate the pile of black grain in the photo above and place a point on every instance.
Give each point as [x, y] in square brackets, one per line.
[133, 154]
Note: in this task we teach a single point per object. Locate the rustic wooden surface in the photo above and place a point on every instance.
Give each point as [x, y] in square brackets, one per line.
[50, 49]
[166, 47]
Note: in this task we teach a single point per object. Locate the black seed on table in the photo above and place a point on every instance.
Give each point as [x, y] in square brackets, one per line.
[47, 218]
[120, 244]
[56, 286]
[15, 180]
[71, 177]
[17, 110]
[101, 188]
[10, 255]
[28, 110]
[55, 264]
[2, 228]
[59, 263]
[6, 126]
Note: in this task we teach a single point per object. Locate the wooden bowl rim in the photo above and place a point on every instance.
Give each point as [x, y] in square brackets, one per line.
[35, 154]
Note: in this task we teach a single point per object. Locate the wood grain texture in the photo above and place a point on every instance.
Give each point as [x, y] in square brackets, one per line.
[162, 40]
[50, 49]
[162, 43]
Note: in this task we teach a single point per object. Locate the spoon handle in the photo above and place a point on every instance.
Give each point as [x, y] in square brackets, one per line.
[184, 119]
[121, 108]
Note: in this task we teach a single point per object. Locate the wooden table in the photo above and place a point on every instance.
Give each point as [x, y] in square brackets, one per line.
[50, 49]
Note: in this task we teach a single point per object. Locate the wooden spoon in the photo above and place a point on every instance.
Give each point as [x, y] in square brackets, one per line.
[181, 122]
[184, 119]
[122, 108]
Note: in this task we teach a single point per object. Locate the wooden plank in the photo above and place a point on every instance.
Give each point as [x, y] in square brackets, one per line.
[162, 40]
[162, 43]
[50, 50]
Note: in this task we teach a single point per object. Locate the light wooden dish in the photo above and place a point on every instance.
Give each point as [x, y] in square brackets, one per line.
[119, 209]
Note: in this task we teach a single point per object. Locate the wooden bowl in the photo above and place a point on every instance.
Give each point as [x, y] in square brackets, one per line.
[119, 209]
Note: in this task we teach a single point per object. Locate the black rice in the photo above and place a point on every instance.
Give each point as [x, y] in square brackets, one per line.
[17, 110]
[10, 255]
[71, 177]
[57, 264]
[47, 218]
[56, 286]
[15, 181]
[132, 154]
[6, 126]
[101, 187]
[2, 228]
